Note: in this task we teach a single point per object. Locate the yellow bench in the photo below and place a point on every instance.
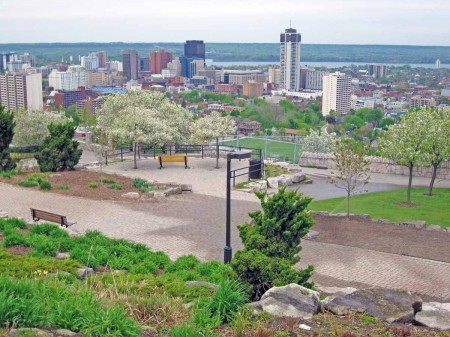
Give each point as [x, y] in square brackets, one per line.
[172, 159]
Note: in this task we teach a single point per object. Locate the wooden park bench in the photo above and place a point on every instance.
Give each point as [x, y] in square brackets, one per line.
[173, 159]
[52, 217]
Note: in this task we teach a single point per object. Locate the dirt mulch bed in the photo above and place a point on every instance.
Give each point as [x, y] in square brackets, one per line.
[78, 181]
[19, 250]
[383, 237]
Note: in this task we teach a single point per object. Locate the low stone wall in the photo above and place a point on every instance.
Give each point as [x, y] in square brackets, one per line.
[377, 165]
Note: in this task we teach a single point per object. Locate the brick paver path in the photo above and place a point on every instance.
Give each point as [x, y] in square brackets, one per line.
[194, 224]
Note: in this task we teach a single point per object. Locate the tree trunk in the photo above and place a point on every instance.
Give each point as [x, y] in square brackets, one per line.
[134, 153]
[408, 192]
[217, 152]
[433, 177]
[348, 205]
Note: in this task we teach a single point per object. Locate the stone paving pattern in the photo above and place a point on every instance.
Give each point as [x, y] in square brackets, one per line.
[193, 223]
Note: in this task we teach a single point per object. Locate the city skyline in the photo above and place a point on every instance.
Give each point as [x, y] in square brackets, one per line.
[324, 22]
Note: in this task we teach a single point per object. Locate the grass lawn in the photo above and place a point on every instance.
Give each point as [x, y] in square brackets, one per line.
[275, 148]
[434, 210]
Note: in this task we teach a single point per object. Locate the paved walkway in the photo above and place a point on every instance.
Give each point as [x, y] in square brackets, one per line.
[194, 224]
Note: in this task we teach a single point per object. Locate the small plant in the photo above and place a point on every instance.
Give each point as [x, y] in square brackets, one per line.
[63, 187]
[274, 171]
[107, 181]
[28, 183]
[9, 173]
[45, 185]
[367, 319]
[116, 187]
[142, 185]
[227, 300]
[92, 184]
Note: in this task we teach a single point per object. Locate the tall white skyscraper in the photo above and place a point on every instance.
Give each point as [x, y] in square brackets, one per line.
[438, 64]
[337, 89]
[290, 42]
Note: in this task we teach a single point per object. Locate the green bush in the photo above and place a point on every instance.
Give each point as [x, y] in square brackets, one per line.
[25, 265]
[12, 222]
[28, 183]
[107, 181]
[7, 125]
[184, 263]
[142, 185]
[92, 184]
[45, 185]
[273, 242]
[58, 151]
[116, 187]
[49, 303]
[9, 173]
[187, 330]
[227, 300]
[63, 187]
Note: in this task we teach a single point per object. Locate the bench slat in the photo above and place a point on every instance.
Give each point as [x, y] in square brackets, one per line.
[52, 217]
[173, 159]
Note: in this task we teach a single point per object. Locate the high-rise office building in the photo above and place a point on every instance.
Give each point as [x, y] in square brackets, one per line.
[377, 71]
[195, 66]
[194, 49]
[28, 59]
[18, 91]
[159, 60]
[144, 64]
[337, 88]
[102, 59]
[290, 42]
[175, 65]
[130, 62]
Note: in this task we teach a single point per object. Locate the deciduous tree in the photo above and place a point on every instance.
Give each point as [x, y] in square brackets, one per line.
[211, 127]
[403, 143]
[144, 117]
[436, 146]
[352, 167]
[32, 127]
[6, 136]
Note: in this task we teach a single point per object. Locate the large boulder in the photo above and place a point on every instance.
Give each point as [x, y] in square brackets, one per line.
[291, 300]
[434, 315]
[388, 305]
[285, 180]
[272, 182]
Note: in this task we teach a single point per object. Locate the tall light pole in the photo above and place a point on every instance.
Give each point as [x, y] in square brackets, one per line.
[228, 251]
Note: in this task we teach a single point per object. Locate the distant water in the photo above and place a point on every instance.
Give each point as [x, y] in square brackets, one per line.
[319, 64]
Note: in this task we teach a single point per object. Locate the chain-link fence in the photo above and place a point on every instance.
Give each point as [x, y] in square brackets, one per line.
[279, 148]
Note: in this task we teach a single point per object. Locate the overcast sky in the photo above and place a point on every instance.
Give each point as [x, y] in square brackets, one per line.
[407, 22]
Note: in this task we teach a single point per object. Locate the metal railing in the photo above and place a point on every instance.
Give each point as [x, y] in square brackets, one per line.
[252, 168]
[200, 150]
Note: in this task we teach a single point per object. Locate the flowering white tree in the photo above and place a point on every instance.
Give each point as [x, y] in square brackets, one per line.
[32, 127]
[436, 146]
[403, 143]
[212, 126]
[143, 117]
[318, 142]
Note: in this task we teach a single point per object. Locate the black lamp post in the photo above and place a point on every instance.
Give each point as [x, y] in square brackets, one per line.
[228, 251]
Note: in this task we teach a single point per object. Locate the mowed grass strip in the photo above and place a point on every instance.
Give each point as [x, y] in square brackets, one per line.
[275, 148]
[435, 210]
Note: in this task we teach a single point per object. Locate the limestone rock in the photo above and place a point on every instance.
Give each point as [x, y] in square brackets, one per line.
[392, 306]
[285, 180]
[434, 315]
[131, 195]
[26, 331]
[335, 290]
[201, 284]
[160, 196]
[172, 191]
[311, 235]
[84, 271]
[433, 228]
[62, 256]
[66, 333]
[296, 178]
[291, 300]
[3, 215]
[272, 182]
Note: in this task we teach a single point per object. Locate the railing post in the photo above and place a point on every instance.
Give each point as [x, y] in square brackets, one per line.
[154, 152]
[202, 149]
[121, 154]
[295, 152]
[106, 157]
